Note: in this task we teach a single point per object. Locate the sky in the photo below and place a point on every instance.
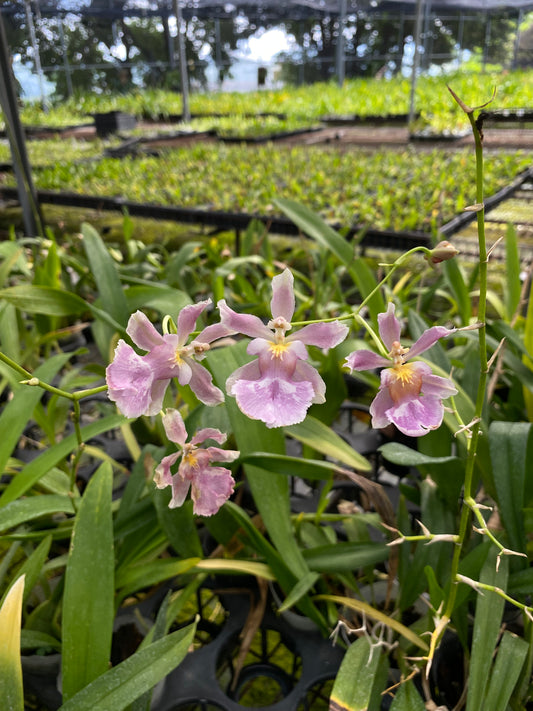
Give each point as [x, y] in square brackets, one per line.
[259, 48]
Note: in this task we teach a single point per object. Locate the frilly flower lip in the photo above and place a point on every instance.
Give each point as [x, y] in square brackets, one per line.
[410, 395]
[138, 383]
[279, 386]
[210, 486]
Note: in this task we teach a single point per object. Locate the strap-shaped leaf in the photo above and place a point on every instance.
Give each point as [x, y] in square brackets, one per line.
[88, 605]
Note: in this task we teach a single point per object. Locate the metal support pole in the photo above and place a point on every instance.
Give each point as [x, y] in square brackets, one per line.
[186, 112]
[36, 54]
[31, 213]
[341, 58]
[416, 59]
[66, 65]
[519, 20]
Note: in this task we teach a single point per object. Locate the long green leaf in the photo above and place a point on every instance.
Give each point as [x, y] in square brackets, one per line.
[120, 686]
[33, 471]
[512, 267]
[345, 556]
[11, 691]
[487, 621]
[111, 293]
[88, 609]
[314, 226]
[44, 300]
[323, 439]
[22, 510]
[407, 699]
[510, 450]
[512, 653]
[18, 411]
[133, 578]
[355, 679]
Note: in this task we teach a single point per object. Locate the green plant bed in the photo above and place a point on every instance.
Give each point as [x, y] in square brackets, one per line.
[54, 150]
[386, 189]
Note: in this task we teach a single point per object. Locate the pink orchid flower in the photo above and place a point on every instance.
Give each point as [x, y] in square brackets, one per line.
[138, 383]
[279, 385]
[410, 395]
[210, 486]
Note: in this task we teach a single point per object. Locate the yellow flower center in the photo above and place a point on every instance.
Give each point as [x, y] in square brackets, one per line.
[189, 457]
[406, 381]
[278, 349]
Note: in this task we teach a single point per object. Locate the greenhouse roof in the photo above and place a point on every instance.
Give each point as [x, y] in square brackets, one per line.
[257, 10]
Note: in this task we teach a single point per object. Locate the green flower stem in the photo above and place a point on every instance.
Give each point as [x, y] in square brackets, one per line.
[474, 430]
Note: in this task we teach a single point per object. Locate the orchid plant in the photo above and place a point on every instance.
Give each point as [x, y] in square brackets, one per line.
[222, 386]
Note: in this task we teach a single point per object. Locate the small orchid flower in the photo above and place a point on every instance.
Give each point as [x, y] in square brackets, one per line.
[279, 386]
[138, 383]
[410, 395]
[210, 486]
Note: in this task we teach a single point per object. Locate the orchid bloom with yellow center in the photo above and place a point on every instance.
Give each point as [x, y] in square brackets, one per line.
[410, 395]
[137, 383]
[279, 386]
[210, 486]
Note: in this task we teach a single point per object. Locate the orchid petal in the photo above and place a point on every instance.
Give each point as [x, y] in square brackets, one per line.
[201, 383]
[142, 332]
[214, 332]
[211, 488]
[304, 372]
[366, 360]
[174, 426]
[157, 395]
[187, 319]
[209, 433]
[437, 386]
[389, 326]
[428, 339]
[163, 475]
[129, 378]
[323, 335]
[247, 324]
[283, 301]
[180, 488]
[417, 416]
[222, 455]
[379, 407]
[275, 401]
[248, 371]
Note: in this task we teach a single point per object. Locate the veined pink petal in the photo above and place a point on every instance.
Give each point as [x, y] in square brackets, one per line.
[211, 488]
[283, 301]
[129, 379]
[273, 400]
[247, 324]
[379, 408]
[323, 335]
[174, 426]
[249, 371]
[418, 416]
[304, 372]
[163, 475]
[142, 332]
[214, 332]
[187, 318]
[180, 488]
[209, 433]
[428, 339]
[157, 395]
[222, 455]
[437, 386]
[389, 326]
[201, 383]
[163, 359]
[366, 360]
